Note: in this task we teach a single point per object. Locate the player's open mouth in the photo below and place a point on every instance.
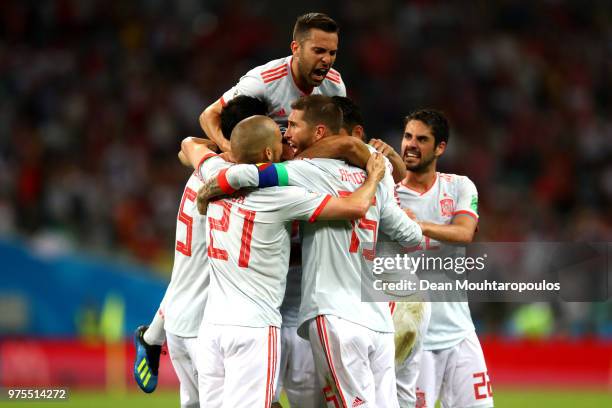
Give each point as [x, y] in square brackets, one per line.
[292, 146]
[319, 74]
[410, 155]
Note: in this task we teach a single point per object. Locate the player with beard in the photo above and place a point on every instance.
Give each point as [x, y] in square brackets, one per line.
[248, 248]
[453, 367]
[352, 341]
[410, 319]
[180, 312]
[308, 70]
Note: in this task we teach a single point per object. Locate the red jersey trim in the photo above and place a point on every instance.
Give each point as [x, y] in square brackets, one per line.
[206, 157]
[223, 103]
[272, 79]
[224, 185]
[465, 212]
[417, 191]
[320, 208]
[273, 71]
[334, 80]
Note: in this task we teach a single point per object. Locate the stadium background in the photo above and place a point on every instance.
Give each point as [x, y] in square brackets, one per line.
[96, 95]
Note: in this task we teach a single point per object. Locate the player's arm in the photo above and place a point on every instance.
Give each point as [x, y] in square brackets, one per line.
[399, 167]
[347, 148]
[396, 224]
[460, 231]
[194, 149]
[462, 228]
[210, 121]
[356, 205]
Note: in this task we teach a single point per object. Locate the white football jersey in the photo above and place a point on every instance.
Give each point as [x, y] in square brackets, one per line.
[450, 195]
[185, 298]
[248, 248]
[335, 253]
[293, 294]
[274, 84]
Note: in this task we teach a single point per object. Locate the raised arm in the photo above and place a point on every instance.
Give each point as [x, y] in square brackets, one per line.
[399, 167]
[194, 149]
[210, 121]
[347, 148]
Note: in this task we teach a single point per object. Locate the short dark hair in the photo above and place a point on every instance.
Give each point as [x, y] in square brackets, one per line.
[320, 109]
[239, 108]
[351, 114]
[435, 120]
[308, 21]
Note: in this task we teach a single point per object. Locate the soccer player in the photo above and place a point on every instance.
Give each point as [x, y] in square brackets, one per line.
[453, 367]
[410, 319]
[249, 253]
[308, 70]
[180, 313]
[352, 341]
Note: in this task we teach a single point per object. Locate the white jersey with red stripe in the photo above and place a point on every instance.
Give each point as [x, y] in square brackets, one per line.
[451, 195]
[335, 253]
[274, 84]
[248, 247]
[185, 298]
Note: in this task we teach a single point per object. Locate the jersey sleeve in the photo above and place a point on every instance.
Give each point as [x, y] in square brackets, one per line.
[300, 204]
[291, 173]
[250, 84]
[211, 165]
[395, 223]
[467, 198]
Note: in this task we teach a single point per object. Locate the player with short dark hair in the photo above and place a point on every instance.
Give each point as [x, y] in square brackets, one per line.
[180, 312]
[308, 70]
[352, 341]
[452, 367]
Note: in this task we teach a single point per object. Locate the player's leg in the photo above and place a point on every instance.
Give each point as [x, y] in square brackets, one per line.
[148, 341]
[285, 355]
[407, 371]
[300, 380]
[251, 366]
[382, 357]
[211, 371]
[341, 356]
[467, 381]
[155, 333]
[182, 354]
[431, 374]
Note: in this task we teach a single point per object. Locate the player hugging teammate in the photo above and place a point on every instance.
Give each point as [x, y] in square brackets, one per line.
[246, 316]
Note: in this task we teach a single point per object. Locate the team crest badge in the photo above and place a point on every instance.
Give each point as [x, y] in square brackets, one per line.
[447, 206]
[420, 399]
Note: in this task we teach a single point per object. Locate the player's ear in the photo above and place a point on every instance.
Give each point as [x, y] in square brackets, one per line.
[358, 132]
[440, 148]
[320, 132]
[294, 47]
[268, 154]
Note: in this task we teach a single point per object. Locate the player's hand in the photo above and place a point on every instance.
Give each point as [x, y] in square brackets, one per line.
[376, 167]
[382, 147]
[183, 159]
[410, 214]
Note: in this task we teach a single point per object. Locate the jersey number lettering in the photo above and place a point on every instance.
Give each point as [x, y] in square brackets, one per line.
[479, 392]
[222, 225]
[185, 247]
[364, 224]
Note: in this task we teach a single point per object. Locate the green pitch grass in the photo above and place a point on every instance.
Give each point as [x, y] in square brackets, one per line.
[169, 399]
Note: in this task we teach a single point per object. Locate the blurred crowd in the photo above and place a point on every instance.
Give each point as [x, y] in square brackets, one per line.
[95, 97]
